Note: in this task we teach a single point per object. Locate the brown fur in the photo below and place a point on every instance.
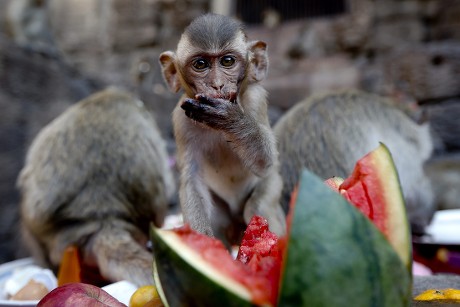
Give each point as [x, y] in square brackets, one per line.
[225, 146]
[329, 133]
[96, 177]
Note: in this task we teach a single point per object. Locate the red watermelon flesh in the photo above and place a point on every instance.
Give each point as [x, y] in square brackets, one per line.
[261, 252]
[334, 183]
[374, 189]
[256, 270]
[258, 240]
[363, 189]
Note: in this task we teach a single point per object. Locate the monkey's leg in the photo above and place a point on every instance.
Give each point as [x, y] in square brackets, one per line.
[264, 201]
[119, 256]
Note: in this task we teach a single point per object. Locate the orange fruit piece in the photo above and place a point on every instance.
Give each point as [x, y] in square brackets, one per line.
[70, 267]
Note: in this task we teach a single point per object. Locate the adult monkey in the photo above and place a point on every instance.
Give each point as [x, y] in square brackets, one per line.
[226, 149]
[96, 177]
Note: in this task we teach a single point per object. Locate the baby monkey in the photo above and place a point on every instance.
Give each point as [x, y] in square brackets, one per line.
[226, 149]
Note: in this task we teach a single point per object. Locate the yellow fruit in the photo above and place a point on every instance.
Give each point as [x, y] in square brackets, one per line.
[450, 295]
[146, 296]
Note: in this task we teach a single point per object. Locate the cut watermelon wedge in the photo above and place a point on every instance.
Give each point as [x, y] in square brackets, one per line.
[374, 188]
[192, 267]
[335, 256]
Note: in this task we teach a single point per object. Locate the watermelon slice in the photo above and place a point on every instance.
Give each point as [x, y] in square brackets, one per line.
[374, 189]
[192, 267]
[336, 257]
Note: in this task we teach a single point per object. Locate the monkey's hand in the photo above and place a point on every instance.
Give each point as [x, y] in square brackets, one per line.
[215, 113]
[250, 138]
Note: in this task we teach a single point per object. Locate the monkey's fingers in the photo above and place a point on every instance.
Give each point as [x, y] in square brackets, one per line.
[194, 109]
[189, 104]
[203, 113]
[194, 106]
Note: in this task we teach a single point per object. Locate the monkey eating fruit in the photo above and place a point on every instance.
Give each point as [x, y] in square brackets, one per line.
[226, 149]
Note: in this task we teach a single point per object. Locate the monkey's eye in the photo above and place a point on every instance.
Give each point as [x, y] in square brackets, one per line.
[200, 64]
[227, 61]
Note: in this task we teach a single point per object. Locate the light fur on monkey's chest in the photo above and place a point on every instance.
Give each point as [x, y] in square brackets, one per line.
[232, 186]
[227, 177]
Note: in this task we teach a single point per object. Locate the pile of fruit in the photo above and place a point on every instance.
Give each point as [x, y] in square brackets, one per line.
[347, 244]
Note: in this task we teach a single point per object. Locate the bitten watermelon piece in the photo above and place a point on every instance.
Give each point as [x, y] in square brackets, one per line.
[192, 269]
[336, 257]
[334, 183]
[261, 252]
[374, 188]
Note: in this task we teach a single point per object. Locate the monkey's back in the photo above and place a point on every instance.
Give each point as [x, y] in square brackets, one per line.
[329, 133]
[101, 160]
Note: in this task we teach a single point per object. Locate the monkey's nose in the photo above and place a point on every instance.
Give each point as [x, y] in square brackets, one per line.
[217, 87]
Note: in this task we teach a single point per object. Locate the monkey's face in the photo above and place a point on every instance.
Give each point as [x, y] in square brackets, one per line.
[214, 71]
[215, 75]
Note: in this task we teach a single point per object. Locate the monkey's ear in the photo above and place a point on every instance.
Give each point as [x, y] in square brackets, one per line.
[169, 70]
[259, 60]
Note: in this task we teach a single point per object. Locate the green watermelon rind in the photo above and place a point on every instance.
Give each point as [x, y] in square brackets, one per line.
[336, 257]
[185, 279]
[398, 226]
[157, 282]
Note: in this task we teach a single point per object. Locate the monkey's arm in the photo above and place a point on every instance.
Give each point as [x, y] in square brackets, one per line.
[264, 201]
[251, 139]
[194, 194]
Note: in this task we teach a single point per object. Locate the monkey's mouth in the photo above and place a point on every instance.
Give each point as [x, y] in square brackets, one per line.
[226, 96]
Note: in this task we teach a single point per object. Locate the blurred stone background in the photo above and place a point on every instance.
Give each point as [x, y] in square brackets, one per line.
[56, 52]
